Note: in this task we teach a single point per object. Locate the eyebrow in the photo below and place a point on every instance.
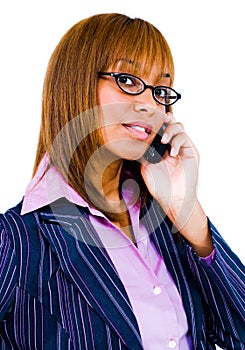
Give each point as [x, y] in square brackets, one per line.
[131, 62]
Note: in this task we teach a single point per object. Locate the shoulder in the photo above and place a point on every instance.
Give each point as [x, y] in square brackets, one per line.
[9, 262]
[14, 224]
[9, 220]
[27, 247]
[19, 231]
[25, 230]
[23, 233]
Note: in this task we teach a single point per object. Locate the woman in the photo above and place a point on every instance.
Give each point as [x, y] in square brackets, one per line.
[108, 250]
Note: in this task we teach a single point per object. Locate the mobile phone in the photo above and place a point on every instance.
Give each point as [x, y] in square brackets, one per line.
[156, 150]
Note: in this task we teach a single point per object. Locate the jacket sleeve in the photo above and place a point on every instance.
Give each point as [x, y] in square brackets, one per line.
[8, 276]
[222, 284]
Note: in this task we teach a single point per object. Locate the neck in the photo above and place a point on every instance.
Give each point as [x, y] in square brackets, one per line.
[104, 183]
[111, 181]
[102, 180]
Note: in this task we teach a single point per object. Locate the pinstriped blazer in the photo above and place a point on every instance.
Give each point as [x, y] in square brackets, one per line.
[60, 290]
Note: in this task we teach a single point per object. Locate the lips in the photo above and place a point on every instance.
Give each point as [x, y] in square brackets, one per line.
[139, 130]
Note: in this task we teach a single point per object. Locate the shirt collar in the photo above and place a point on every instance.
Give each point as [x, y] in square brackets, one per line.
[48, 185]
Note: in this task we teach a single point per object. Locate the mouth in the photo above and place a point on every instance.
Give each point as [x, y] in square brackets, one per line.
[138, 130]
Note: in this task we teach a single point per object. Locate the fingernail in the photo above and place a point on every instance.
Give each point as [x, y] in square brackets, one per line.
[165, 138]
[173, 152]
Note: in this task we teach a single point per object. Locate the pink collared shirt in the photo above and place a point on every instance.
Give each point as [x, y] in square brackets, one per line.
[151, 290]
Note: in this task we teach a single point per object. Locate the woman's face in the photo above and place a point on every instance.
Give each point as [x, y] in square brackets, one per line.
[130, 122]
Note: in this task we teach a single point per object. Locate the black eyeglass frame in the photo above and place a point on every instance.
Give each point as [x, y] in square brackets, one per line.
[116, 76]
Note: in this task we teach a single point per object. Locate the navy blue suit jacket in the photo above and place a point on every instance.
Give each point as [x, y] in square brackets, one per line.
[60, 290]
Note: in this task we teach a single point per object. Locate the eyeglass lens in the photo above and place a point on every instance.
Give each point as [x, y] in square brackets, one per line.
[134, 85]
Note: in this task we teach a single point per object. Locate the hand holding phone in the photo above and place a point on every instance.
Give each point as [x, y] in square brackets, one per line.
[157, 149]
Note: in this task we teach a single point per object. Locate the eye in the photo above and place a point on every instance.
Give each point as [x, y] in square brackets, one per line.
[162, 93]
[165, 95]
[130, 84]
[127, 80]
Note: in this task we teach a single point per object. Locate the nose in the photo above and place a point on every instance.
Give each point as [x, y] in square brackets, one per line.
[145, 101]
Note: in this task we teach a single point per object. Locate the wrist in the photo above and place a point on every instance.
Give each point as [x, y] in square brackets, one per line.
[180, 210]
[191, 221]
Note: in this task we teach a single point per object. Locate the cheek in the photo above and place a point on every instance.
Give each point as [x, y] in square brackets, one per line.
[105, 94]
[109, 95]
[114, 115]
[105, 98]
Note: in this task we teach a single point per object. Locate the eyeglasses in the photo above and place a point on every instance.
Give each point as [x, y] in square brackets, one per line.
[132, 85]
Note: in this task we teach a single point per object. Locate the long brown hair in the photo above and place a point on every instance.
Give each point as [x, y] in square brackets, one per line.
[69, 96]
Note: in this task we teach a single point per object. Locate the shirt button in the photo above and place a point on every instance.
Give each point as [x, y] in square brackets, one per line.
[157, 290]
[172, 344]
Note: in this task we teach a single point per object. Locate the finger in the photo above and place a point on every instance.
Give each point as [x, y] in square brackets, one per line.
[182, 145]
[171, 117]
[168, 118]
[177, 142]
[171, 131]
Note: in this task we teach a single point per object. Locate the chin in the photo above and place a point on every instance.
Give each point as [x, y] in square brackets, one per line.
[127, 150]
[135, 156]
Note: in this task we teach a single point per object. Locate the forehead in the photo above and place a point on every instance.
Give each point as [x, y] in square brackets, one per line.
[155, 74]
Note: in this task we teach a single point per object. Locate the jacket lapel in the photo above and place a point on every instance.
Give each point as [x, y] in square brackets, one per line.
[89, 268]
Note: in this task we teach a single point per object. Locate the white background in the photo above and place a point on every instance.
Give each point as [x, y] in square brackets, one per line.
[207, 42]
